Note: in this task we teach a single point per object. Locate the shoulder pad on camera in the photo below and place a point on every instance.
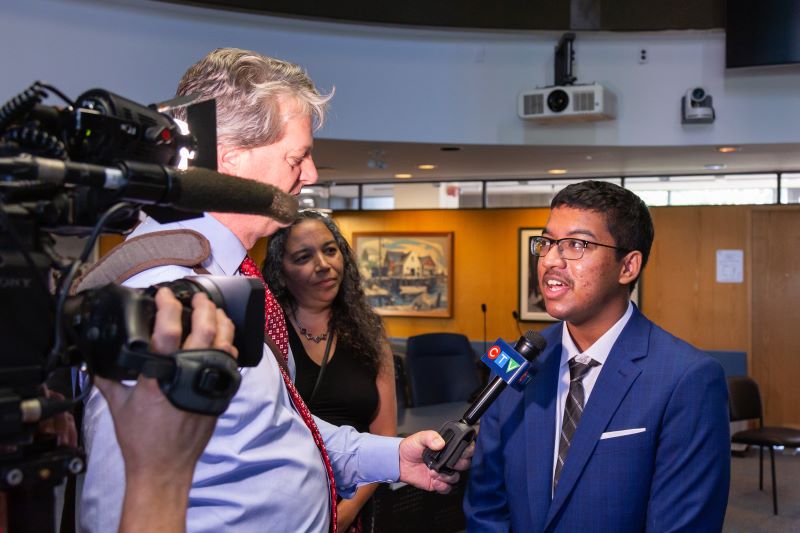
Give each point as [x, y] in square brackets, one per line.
[181, 247]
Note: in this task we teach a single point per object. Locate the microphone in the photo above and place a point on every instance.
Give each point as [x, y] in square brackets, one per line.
[516, 319]
[194, 189]
[483, 310]
[458, 434]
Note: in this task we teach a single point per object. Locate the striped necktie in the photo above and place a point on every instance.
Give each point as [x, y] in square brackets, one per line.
[275, 328]
[572, 411]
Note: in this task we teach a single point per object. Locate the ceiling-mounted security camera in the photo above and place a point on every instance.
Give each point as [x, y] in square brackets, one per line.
[697, 107]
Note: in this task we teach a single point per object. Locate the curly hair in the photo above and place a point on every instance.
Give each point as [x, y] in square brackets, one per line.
[352, 319]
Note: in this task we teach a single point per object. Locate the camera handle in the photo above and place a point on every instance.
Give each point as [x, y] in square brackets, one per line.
[200, 381]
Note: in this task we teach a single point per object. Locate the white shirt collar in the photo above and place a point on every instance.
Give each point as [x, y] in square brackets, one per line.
[600, 349]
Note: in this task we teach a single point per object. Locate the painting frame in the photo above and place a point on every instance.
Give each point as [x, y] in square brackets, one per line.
[529, 303]
[406, 273]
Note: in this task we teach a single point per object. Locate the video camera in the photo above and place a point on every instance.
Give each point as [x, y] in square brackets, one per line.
[90, 146]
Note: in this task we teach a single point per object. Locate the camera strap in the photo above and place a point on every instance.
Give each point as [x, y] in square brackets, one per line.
[181, 247]
[276, 352]
[201, 381]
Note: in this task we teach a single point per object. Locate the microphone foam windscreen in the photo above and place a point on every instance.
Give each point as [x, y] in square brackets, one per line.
[539, 342]
[207, 190]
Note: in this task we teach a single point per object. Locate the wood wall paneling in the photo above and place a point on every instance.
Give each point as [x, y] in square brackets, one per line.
[485, 265]
[775, 363]
[679, 289]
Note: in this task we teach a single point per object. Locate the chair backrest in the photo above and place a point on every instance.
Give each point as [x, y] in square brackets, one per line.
[744, 399]
[441, 367]
[400, 382]
[734, 363]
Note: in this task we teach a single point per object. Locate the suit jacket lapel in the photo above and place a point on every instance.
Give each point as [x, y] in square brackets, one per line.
[615, 379]
[540, 414]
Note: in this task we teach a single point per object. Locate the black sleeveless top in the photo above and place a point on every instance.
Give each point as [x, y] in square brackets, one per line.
[347, 394]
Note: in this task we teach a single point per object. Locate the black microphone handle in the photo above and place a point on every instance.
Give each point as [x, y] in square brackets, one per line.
[458, 435]
[488, 395]
[58, 172]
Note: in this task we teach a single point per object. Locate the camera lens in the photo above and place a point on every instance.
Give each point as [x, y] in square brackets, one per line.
[698, 93]
[557, 100]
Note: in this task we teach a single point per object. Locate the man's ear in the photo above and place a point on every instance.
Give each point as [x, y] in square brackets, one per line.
[631, 267]
[229, 159]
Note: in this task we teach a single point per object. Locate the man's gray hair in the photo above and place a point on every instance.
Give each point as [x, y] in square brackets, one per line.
[249, 88]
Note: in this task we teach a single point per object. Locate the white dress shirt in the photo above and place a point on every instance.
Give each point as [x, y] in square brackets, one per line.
[261, 470]
[599, 352]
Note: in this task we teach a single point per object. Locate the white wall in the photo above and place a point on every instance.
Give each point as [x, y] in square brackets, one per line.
[404, 84]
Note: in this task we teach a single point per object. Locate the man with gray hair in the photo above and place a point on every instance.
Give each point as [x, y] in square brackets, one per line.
[270, 466]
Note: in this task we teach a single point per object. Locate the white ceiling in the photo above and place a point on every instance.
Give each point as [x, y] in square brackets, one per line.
[360, 161]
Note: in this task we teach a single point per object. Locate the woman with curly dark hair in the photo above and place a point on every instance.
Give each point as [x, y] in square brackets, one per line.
[345, 370]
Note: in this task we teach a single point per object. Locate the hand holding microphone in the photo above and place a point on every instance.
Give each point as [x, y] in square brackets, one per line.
[512, 367]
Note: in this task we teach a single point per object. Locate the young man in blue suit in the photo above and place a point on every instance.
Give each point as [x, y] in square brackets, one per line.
[624, 427]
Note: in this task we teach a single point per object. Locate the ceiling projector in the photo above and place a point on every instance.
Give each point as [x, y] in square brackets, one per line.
[569, 103]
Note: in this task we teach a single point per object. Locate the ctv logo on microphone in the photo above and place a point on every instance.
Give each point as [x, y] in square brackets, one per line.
[501, 359]
[507, 363]
[497, 356]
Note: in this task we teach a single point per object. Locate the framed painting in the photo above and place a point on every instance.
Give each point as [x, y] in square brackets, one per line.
[531, 306]
[407, 274]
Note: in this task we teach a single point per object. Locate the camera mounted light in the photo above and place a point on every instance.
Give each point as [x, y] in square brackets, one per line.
[109, 127]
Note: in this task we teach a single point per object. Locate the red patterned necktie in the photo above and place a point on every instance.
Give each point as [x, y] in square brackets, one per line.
[275, 328]
[276, 323]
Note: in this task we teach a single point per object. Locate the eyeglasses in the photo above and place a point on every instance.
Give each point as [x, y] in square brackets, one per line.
[568, 248]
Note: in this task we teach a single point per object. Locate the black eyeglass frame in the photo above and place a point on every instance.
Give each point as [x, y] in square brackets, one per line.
[557, 243]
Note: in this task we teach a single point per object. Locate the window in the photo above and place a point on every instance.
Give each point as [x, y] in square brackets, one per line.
[438, 195]
[528, 193]
[722, 189]
[790, 188]
[718, 189]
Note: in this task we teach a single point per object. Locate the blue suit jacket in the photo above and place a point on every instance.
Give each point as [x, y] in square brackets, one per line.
[672, 476]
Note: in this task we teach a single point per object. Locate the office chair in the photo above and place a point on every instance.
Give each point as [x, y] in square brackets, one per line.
[745, 404]
[400, 382]
[440, 368]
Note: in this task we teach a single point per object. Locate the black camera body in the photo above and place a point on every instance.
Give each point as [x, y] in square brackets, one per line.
[46, 332]
[106, 329]
[115, 319]
[111, 327]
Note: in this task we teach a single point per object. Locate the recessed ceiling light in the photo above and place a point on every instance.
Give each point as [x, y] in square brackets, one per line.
[715, 166]
[450, 148]
[557, 171]
[426, 167]
[728, 149]
[403, 176]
